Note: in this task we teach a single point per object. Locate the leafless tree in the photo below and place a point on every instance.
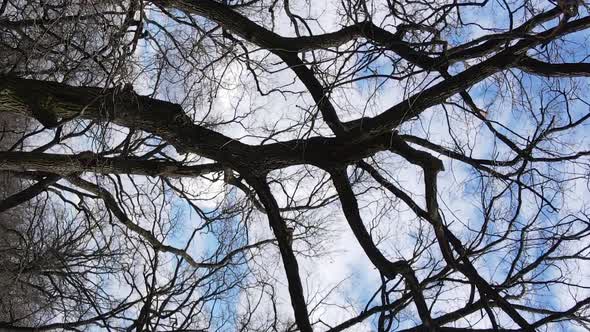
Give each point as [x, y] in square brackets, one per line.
[147, 147]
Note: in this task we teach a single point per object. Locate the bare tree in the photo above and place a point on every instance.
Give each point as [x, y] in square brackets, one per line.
[181, 165]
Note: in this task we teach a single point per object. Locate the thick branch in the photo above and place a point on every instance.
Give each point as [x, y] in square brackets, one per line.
[90, 162]
[279, 228]
[257, 34]
[388, 268]
[542, 68]
[169, 121]
[27, 194]
[416, 104]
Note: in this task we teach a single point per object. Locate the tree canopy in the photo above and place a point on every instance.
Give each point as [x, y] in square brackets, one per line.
[266, 165]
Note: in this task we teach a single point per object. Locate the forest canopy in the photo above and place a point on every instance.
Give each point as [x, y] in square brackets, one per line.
[266, 165]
